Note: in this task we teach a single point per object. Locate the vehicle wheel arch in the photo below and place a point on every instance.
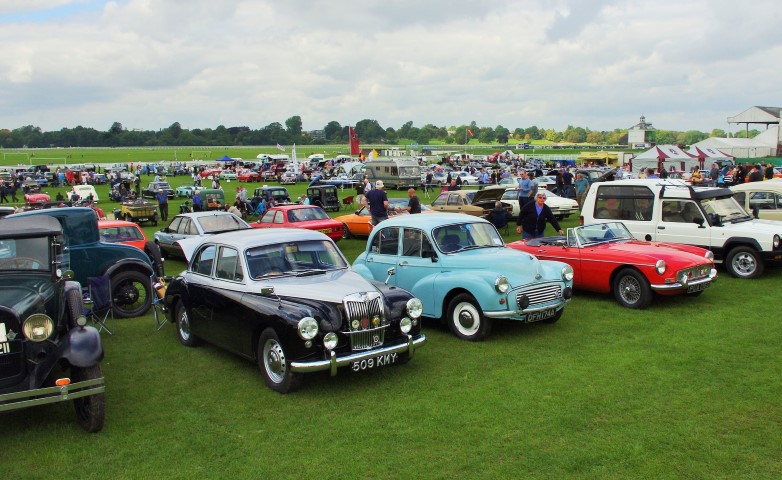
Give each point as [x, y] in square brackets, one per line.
[447, 300]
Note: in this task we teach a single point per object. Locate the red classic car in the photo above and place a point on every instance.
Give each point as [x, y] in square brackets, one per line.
[310, 217]
[211, 172]
[248, 176]
[37, 198]
[606, 258]
[120, 231]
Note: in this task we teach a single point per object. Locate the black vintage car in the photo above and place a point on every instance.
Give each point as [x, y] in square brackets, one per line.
[47, 354]
[288, 300]
[324, 196]
[153, 187]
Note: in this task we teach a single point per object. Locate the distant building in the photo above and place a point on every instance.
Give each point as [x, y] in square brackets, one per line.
[639, 135]
[317, 134]
[766, 144]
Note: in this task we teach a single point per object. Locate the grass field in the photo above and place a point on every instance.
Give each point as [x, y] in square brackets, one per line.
[689, 388]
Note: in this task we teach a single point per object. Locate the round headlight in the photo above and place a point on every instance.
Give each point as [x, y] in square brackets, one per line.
[38, 327]
[330, 340]
[308, 328]
[709, 255]
[776, 241]
[405, 325]
[567, 273]
[501, 284]
[415, 308]
[660, 267]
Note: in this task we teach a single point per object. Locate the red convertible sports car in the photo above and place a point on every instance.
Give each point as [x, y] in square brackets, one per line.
[607, 258]
[310, 217]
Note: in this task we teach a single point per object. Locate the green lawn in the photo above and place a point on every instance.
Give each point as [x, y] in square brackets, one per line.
[689, 388]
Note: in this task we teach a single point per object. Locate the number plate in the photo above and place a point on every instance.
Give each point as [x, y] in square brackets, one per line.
[379, 361]
[541, 315]
[698, 288]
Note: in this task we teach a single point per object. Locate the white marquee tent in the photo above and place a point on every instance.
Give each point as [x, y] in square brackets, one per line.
[668, 157]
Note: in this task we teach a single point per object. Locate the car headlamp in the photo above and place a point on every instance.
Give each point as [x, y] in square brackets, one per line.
[415, 308]
[501, 284]
[38, 327]
[567, 273]
[776, 241]
[308, 328]
[330, 340]
[709, 255]
[660, 267]
[405, 325]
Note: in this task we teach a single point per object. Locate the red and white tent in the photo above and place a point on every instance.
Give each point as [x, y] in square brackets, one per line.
[709, 155]
[668, 157]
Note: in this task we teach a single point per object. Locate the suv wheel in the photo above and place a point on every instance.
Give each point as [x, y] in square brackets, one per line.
[744, 262]
[91, 409]
[632, 290]
[130, 294]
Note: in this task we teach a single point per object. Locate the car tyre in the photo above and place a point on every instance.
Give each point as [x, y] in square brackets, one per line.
[131, 294]
[632, 290]
[152, 250]
[275, 365]
[346, 232]
[744, 262]
[183, 332]
[163, 253]
[466, 319]
[91, 409]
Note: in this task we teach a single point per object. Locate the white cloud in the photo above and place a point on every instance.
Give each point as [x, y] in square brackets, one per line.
[596, 64]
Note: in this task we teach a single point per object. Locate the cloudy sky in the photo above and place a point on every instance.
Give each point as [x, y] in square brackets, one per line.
[685, 65]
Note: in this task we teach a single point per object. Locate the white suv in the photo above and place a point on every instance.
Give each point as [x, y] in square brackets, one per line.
[673, 211]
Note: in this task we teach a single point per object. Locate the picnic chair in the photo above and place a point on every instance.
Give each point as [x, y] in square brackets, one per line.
[347, 200]
[97, 302]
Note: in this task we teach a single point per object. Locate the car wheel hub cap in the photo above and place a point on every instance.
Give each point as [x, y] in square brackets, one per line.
[745, 263]
[275, 362]
[466, 319]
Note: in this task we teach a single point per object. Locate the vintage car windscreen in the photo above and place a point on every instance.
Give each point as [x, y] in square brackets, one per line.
[452, 238]
[221, 223]
[727, 208]
[602, 232]
[301, 258]
[28, 254]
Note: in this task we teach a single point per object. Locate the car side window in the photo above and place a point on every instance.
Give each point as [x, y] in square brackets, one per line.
[440, 200]
[228, 265]
[454, 199]
[172, 227]
[412, 243]
[672, 211]
[267, 217]
[183, 226]
[386, 241]
[202, 263]
[279, 218]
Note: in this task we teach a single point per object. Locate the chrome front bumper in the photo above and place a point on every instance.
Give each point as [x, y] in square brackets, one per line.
[518, 314]
[334, 362]
[680, 286]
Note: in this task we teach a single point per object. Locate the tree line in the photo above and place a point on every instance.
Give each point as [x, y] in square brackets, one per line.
[369, 131]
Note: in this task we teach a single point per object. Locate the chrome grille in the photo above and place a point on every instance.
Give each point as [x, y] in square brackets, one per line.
[695, 273]
[367, 309]
[539, 294]
[11, 364]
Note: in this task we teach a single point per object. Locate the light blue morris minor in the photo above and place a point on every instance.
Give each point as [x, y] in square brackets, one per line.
[462, 271]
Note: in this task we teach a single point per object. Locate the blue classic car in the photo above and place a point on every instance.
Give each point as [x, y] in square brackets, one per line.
[462, 271]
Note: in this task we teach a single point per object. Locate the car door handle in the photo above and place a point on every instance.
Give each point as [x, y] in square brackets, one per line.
[403, 263]
[660, 228]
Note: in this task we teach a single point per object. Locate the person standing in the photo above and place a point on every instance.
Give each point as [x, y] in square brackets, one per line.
[567, 182]
[582, 187]
[531, 222]
[525, 188]
[162, 200]
[413, 205]
[377, 202]
[714, 175]
[198, 203]
[756, 175]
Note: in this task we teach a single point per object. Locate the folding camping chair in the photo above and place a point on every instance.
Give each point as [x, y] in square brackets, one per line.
[97, 302]
[158, 307]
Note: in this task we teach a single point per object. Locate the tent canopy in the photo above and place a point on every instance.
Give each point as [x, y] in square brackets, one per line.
[668, 157]
[225, 158]
[709, 155]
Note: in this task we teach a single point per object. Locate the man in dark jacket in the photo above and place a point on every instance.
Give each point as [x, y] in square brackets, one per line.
[531, 222]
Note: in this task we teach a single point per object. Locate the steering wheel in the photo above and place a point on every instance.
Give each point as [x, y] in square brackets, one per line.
[20, 263]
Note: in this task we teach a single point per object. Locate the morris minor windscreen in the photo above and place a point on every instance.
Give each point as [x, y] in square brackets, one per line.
[464, 236]
[29, 254]
[294, 259]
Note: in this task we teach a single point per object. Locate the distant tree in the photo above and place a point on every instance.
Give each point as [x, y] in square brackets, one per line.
[404, 130]
[533, 133]
[391, 136]
[293, 126]
[116, 128]
[369, 131]
[175, 129]
[693, 136]
[595, 137]
[501, 134]
[333, 131]
[717, 132]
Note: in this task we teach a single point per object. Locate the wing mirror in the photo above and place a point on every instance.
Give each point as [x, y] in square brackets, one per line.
[391, 271]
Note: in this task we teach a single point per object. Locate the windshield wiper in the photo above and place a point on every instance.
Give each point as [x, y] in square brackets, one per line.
[313, 271]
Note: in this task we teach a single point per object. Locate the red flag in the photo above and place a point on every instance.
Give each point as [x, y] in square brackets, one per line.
[354, 149]
[470, 132]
